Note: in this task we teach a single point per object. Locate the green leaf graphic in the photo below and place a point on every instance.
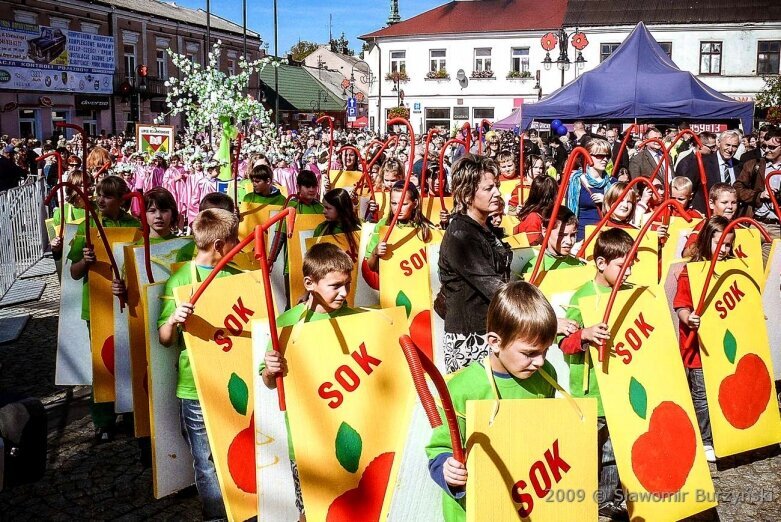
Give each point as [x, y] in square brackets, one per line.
[348, 447]
[638, 398]
[730, 346]
[403, 300]
[238, 394]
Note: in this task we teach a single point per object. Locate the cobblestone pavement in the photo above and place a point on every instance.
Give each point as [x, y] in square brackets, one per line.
[85, 481]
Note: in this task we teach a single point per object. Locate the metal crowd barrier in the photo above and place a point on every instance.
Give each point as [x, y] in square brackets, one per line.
[23, 235]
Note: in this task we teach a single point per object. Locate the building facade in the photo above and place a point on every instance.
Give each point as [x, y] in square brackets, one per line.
[470, 60]
[106, 95]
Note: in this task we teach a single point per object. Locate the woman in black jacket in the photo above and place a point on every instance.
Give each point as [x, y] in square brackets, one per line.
[473, 262]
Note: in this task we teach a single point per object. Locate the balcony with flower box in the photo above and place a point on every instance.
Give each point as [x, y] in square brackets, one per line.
[438, 75]
[483, 75]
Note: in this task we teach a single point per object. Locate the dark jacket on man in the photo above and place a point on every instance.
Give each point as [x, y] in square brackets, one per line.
[749, 184]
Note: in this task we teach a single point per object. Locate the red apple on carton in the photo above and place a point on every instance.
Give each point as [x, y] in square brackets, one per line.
[743, 396]
[241, 459]
[364, 503]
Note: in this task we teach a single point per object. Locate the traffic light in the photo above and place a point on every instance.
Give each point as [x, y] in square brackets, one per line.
[142, 71]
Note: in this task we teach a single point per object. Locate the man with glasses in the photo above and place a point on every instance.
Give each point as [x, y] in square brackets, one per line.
[753, 196]
[687, 166]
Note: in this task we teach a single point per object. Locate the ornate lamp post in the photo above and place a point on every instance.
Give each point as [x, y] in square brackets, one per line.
[563, 62]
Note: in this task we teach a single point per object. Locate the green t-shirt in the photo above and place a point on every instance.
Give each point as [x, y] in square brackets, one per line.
[550, 262]
[71, 214]
[577, 362]
[185, 383]
[76, 253]
[289, 318]
[469, 384]
[275, 198]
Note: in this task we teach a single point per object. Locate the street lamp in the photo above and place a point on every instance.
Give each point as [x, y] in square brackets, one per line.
[563, 62]
[315, 104]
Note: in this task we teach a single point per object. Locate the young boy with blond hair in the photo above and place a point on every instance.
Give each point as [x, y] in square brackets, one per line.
[216, 232]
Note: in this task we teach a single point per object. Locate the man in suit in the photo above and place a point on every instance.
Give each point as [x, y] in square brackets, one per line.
[687, 166]
[644, 162]
[720, 167]
[615, 144]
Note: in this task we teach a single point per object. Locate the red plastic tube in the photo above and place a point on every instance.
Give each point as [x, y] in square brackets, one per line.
[700, 165]
[423, 174]
[144, 231]
[577, 151]
[258, 238]
[729, 228]
[419, 365]
[771, 192]
[629, 186]
[468, 135]
[481, 129]
[102, 233]
[276, 245]
[629, 260]
[401, 121]
[622, 148]
[387, 143]
[61, 197]
[84, 142]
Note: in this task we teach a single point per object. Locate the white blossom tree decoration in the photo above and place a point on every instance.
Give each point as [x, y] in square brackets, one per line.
[209, 97]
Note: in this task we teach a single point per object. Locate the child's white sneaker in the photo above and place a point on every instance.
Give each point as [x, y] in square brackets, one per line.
[710, 455]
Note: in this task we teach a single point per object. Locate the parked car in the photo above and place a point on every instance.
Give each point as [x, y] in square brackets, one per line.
[47, 47]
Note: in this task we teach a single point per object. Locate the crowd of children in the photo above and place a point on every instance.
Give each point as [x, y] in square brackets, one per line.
[521, 325]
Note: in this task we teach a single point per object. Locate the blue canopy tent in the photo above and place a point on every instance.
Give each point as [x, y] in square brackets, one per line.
[638, 81]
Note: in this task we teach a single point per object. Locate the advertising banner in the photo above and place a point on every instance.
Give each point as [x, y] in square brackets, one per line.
[41, 58]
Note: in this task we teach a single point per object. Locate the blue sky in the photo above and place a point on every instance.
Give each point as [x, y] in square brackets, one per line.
[308, 19]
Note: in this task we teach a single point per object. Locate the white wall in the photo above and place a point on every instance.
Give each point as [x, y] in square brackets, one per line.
[738, 76]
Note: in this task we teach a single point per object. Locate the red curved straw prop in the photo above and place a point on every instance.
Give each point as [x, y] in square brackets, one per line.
[102, 233]
[629, 186]
[441, 173]
[666, 161]
[258, 237]
[712, 267]
[61, 196]
[629, 259]
[235, 168]
[144, 231]
[622, 148]
[423, 173]
[771, 192]
[276, 246]
[385, 144]
[365, 177]
[577, 151]
[468, 137]
[84, 143]
[700, 164]
[87, 221]
[481, 130]
[401, 121]
[330, 143]
[419, 365]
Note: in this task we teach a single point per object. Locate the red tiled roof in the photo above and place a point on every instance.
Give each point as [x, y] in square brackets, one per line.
[479, 16]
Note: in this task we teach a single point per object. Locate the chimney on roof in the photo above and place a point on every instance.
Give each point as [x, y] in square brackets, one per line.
[394, 17]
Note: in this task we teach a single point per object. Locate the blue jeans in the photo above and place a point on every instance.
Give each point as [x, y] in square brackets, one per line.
[609, 483]
[194, 431]
[700, 400]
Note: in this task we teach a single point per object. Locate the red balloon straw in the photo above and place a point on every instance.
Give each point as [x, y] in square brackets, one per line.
[401, 121]
[419, 365]
[441, 173]
[276, 246]
[377, 155]
[771, 192]
[84, 142]
[629, 186]
[144, 231]
[89, 210]
[622, 148]
[61, 196]
[330, 144]
[235, 168]
[482, 131]
[577, 151]
[423, 173]
[629, 260]
[258, 237]
[714, 258]
[666, 161]
[468, 136]
[700, 165]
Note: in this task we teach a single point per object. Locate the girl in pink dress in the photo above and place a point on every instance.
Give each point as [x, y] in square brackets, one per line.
[175, 181]
[155, 173]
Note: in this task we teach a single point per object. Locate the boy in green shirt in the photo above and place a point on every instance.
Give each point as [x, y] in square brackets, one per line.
[327, 278]
[263, 192]
[610, 253]
[215, 232]
[110, 191]
[521, 326]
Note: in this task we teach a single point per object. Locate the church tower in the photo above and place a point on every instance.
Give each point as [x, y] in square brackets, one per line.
[394, 17]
